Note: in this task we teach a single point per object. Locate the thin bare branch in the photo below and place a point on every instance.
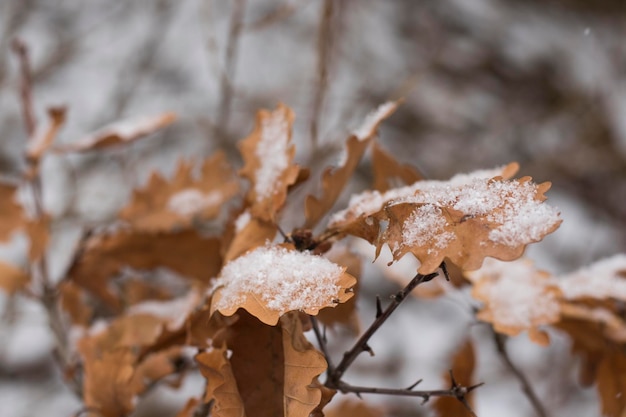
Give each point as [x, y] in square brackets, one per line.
[282, 12]
[26, 86]
[527, 388]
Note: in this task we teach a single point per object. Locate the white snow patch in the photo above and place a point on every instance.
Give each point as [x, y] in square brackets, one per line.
[603, 279]
[373, 119]
[284, 280]
[518, 294]
[242, 221]
[272, 152]
[426, 224]
[191, 201]
[175, 311]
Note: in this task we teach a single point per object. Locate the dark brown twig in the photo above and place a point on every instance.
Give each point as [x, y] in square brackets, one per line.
[361, 345]
[321, 340]
[26, 86]
[526, 386]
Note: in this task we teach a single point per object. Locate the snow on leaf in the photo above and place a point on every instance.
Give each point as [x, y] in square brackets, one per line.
[273, 280]
[601, 280]
[467, 218]
[516, 297]
[166, 204]
[12, 279]
[335, 179]
[373, 119]
[11, 213]
[186, 253]
[268, 155]
[221, 384]
[121, 132]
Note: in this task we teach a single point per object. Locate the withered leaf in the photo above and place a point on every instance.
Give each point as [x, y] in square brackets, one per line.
[335, 179]
[11, 213]
[43, 138]
[268, 156]
[516, 297]
[355, 408]
[221, 384]
[285, 362]
[463, 364]
[121, 132]
[465, 219]
[186, 253]
[38, 231]
[273, 280]
[248, 233]
[167, 204]
[388, 171]
[12, 279]
[75, 303]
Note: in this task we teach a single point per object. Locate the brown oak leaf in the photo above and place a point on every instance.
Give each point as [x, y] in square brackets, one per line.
[12, 279]
[463, 364]
[186, 253]
[466, 219]
[167, 204]
[516, 297]
[388, 171]
[221, 384]
[121, 132]
[268, 156]
[334, 179]
[273, 280]
[11, 213]
[286, 366]
[247, 232]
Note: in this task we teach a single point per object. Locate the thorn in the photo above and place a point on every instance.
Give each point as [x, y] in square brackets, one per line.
[368, 349]
[444, 269]
[410, 387]
[453, 381]
[426, 398]
[473, 387]
[358, 394]
[379, 307]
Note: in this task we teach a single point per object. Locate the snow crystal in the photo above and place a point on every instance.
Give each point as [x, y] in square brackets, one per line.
[426, 224]
[517, 294]
[242, 221]
[191, 200]
[372, 119]
[601, 280]
[272, 152]
[284, 280]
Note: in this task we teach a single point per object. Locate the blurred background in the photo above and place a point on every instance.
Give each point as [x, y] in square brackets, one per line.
[484, 82]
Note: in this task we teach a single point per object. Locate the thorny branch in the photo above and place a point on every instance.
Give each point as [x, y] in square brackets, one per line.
[335, 374]
[526, 386]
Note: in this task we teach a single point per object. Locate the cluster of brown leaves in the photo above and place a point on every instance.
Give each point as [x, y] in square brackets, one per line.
[237, 298]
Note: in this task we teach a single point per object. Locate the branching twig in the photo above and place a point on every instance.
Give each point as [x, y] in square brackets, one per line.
[26, 87]
[526, 386]
[361, 345]
[321, 341]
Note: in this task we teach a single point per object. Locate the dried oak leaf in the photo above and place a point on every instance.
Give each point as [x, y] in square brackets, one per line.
[268, 162]
[463, 364]
[334, 179]
[388, 171]
[185, 252]
[221, 384]
[167, 204]
[44, 136]
[466, 219]
[286, 365]
[603, 362]
[246, 233]
[38, 231]
[273, 280]
[121, 132]
[516, 297]
[12, 279]
[190, 408]
[11, 213]
[75, 303]
[355, 408]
